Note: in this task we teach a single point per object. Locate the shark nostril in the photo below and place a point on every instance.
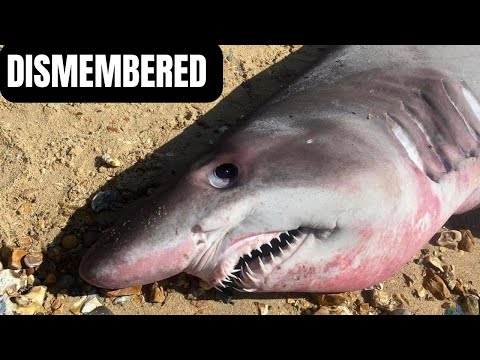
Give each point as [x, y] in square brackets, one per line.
[197, 229]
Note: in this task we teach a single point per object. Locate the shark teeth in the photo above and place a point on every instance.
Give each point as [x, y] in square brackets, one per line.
[247, 269]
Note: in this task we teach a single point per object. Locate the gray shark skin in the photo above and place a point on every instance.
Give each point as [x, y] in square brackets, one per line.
[333, 185]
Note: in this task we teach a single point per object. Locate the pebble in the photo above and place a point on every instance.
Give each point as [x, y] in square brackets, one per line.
[103, 200]
[157, 295]
[6, 306]
[340, 310]
[332, 300]
[408, 280]
[436, 286]
[133, 290]
[77, 305]
[230, 55]
[1, 266]
[11, 281]
[113, 162]
[364, 309]
[33, 260]
[90, 304]
[263, 308]
[380, 299]
[121, 300]
[15, 259]
[434, 262]
[457, 310]
[25, 209]
[468, 241]
[3, 306]
[460, 288]
[449, 239]
[101, 310]
[470, 305]
[57, 303]
[32, 302]
[448, 276]
[70, 242]
[421, 292]
[30, 280]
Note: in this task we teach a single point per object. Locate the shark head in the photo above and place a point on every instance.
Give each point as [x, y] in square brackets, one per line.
[292, 210]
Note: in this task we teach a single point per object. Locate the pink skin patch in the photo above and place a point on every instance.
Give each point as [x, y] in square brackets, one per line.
[393, 246]
[136, 266]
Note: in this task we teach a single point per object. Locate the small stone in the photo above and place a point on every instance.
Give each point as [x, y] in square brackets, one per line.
[460, 288]
[121, 300]
[101, 310]
[230, 55]
[400, 312]
[454, 310]
[30, 280]
[470, 305]
[157, 295]
[436, 286]
[59, 310]
[103, 200]
[332, 300]
[7, 307]
[90, 304]
[33, 260]
[449, 239]
[77, 305]
[57, 303]
[263, 308]
[340, 310]
[25, 209]
[70, 242]
[434, 262]
[421, 292]
[11, 281]
[322, 310]
[113, 162]
[50, 279]
[468, 241]
[1, 266]
[474, 291]
[364, 309]
[32, 302]
[408, 280]
[448, 276]
[380, 299]
[425, 251]
[291, 301]
[15, 260]
[133, 290]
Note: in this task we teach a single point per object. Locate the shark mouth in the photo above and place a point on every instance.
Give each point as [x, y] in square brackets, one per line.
[249, 263]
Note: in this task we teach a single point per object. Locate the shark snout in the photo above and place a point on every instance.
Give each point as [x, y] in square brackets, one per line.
[126, 267]
[143, 247]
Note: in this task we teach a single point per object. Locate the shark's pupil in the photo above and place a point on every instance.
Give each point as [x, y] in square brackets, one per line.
[226, 171]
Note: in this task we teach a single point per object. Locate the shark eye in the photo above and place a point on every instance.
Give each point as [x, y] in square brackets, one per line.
[223, 176]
